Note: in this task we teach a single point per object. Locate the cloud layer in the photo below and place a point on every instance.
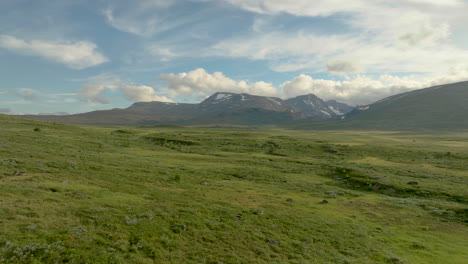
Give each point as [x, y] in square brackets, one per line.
[357, 90]
[76, 55]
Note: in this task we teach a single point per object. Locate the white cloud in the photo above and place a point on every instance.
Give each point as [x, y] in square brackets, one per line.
[144, 18]
[366, 90]
[299, 7]
[142, 93]
[76, 55]
[94, 92]
[319, 53]
[199, 83]
[382, 36]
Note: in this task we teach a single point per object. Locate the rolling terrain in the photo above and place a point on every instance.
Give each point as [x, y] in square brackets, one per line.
[216, 195]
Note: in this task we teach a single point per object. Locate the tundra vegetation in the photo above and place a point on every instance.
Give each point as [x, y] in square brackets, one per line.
[82, 194]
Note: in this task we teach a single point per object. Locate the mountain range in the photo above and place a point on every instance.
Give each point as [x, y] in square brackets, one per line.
[438, 107]
[221, 108]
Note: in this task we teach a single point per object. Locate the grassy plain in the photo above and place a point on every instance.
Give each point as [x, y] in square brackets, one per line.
[81, 194]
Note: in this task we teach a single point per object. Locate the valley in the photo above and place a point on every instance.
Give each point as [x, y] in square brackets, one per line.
[82, 194]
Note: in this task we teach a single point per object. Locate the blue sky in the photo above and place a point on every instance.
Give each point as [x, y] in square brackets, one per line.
[75, 56]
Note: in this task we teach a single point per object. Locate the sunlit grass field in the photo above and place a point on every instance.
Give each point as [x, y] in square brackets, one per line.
[79, 194]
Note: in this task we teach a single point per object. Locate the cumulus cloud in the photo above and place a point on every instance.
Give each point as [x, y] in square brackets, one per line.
[365, 90]
[200, 84]
[25, 94]
[94, 92]
[100, 89]
[142, 93]
[76, 55]
[5, 110]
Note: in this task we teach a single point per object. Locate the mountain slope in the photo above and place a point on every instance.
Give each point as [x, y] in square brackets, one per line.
[312, 106]
[338, 108]
[438, 107]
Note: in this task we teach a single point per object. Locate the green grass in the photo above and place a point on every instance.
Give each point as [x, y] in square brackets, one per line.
[212, 195]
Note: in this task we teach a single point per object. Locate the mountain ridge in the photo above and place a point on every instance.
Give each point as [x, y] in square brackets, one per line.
[220, 108]
[441, 107]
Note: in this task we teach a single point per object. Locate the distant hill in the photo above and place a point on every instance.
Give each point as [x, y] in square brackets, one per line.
[219, 109]
[442, 107]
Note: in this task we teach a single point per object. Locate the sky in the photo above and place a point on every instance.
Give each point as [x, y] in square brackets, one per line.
[73, 56]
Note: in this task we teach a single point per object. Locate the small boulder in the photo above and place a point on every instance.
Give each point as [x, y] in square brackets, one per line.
[272, 241]
[179, 228]
[396, 260]
[413, 183]
[78, 230]
[259, 212]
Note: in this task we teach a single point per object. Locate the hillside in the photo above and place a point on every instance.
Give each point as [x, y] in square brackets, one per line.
[75, 194]
[438, 107]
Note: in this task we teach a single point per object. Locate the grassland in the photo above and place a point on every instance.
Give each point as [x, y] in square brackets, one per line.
[80, 194]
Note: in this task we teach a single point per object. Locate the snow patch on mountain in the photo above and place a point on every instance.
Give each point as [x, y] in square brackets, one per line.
[336, 111]
[363, 108]
[274, 101]
[222, 96]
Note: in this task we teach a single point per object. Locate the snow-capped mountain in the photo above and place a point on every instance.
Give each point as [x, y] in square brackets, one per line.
[312, 106]
[221, 101]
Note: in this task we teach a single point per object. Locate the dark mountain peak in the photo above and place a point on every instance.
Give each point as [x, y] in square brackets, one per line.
[312, 106]
[225, 101]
